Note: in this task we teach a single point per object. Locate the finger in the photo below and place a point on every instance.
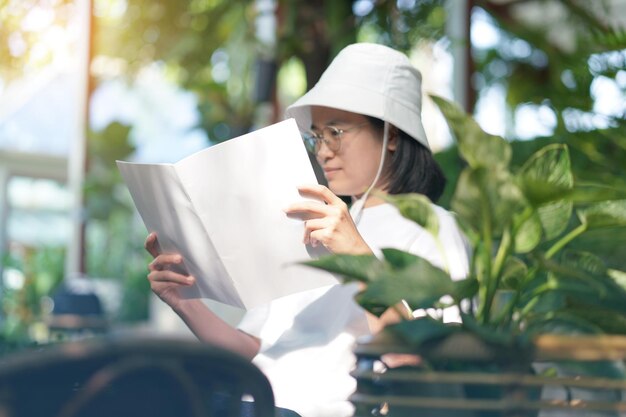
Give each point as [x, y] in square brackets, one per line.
[306, 210]
[319, 236]
[311, 226]
[165, 261]
[171, 277]
[152, 245]
[320, 192]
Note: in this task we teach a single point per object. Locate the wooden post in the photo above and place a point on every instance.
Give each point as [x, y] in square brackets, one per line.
[75, 260]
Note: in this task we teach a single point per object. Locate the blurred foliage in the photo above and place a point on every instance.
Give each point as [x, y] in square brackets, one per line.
[23, 313]
[22, 50]
[552, 62]
[551, 58]
[114, 238]
[191, 38]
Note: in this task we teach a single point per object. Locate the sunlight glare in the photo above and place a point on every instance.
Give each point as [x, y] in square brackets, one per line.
[17, 44]
[534, 120]
[609, 98]
[484, 34]
[38, 19]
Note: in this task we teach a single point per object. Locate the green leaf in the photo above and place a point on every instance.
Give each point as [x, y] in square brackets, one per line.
[501, 301]
[604, 214]
[513, 273]
[547, 171]
[464, 289]
[528, 234]
[399, 259]
[477, 147]
[487, 199]
[549, 302]
[422, 330]
[555, 217]
[582, 279]
[593, 193]
[562, 322]
[364, 268]
[607, 321]
[420, 284]
[546, 180]
[416, 207]
[585, 261]
[486, 332]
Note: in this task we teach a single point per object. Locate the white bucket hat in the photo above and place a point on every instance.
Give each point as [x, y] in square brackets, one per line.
[372, 80]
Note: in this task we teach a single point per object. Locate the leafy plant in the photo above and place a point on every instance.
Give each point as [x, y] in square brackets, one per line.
[524, 278]
[21, 309]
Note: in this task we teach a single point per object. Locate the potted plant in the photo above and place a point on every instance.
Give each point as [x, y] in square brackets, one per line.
[524, 281]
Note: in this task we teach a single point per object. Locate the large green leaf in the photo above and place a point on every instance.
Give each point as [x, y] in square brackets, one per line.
[546, 180]
[419, 283]
[399, 259]
[464, 289]
[555, 217]
[477, 147]
[546, 172]
[422, 330]
[585, 280]
[364, 268]
[416, 207]
[604, 214]
[487, 199]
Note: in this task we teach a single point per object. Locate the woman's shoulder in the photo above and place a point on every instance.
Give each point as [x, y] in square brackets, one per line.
[447, 218]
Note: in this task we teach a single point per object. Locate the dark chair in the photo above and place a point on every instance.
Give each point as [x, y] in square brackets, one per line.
[136, 377]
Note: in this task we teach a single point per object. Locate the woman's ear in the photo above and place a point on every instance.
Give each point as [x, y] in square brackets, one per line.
[392, 140]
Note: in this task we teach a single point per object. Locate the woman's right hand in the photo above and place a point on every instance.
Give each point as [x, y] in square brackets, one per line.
[167, 273]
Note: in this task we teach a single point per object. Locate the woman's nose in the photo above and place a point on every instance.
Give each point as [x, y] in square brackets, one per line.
[324, 152]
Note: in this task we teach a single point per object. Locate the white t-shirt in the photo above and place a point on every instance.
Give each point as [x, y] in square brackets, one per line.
[307, 338]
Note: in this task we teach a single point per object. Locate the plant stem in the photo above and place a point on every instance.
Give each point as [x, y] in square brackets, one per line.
[485, 307]
[495, 275]
[565, 240]
[503, 251]
[534, 297]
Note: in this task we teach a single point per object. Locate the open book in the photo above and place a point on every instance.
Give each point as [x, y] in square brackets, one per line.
[221, 208]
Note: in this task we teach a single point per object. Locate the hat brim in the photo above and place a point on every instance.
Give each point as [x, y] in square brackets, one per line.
[355, 100]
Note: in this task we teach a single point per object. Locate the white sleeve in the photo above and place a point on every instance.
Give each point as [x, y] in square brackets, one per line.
[454, 244]
[253, 320]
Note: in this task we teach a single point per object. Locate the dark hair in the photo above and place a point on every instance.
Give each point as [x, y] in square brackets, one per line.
[412, 167]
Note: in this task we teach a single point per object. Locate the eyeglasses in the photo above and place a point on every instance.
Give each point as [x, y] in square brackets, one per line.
[330, 135]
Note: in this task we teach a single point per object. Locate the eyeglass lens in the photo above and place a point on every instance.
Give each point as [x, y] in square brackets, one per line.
[330, 135]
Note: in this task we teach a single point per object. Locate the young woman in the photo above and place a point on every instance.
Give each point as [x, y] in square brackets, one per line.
[363, 122]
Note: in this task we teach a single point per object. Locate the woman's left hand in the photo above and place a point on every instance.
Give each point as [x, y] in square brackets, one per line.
[328, 223]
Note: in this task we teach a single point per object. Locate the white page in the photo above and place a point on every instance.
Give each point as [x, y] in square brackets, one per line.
[235, 194]
[166, 209]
